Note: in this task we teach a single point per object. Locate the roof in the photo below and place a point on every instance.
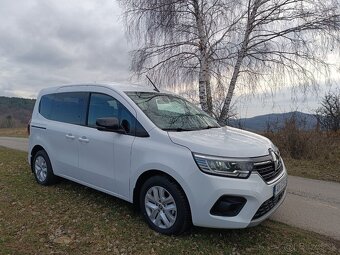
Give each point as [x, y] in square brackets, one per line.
[128, 87]
[122, 87]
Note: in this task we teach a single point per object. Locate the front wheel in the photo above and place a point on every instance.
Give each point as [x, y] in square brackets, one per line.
[164, 206]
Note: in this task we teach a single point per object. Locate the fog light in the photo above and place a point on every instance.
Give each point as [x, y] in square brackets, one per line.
[228, 206]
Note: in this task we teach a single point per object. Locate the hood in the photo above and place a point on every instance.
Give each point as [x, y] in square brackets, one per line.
[223, 142]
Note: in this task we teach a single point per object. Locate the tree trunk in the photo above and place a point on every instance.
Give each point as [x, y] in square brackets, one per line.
[204, 72]
[241, 55]
[226, 106]
[202, 89]
[204, 86]
[208, 91]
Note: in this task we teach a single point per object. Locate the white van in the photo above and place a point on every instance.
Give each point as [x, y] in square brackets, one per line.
[159, 151]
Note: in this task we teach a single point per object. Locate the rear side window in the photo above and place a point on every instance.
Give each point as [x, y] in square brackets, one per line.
[67, 107]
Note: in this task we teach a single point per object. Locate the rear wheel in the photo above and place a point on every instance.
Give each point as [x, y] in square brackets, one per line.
[164, 206]
[42, 169]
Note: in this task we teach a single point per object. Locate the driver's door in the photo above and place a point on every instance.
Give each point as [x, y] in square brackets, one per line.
[104, 157]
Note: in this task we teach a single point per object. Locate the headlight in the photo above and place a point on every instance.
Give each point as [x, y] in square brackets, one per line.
[230, 167]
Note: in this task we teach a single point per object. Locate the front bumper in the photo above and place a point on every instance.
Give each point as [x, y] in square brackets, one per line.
[208, 189]
[257, 221]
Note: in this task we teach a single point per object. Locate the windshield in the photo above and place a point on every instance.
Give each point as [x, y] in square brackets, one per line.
[172, 113]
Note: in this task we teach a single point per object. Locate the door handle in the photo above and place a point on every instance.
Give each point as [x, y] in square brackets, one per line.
[83, 139]
[70, 136]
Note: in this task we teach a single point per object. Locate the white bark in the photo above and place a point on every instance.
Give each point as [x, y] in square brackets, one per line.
[202, 87]
[204, 71]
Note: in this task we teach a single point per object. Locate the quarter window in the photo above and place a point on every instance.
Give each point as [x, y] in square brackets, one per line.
[46, 105]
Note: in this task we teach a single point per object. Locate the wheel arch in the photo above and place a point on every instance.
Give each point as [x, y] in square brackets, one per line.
[145, 176]
[34, 151]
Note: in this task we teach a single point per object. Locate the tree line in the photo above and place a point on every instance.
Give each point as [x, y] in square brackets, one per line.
[15, 112]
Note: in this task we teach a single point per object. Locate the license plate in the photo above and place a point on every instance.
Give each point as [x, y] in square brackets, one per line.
[278, 188]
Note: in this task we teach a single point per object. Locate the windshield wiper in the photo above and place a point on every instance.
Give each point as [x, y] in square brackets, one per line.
[183, 129]
[209, 127]
[176, 129]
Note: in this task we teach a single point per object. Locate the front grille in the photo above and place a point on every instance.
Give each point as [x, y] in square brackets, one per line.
[267, 169]
[268, 205]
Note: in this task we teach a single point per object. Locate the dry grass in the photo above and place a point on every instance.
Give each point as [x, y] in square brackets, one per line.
[13, 132]
[319, 156]
[310, 154]
[70, 219]
[315, 169]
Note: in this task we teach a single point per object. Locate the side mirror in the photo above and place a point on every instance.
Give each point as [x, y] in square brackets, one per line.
[109, 124]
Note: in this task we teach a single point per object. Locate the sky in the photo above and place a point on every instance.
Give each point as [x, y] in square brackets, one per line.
[47, 43]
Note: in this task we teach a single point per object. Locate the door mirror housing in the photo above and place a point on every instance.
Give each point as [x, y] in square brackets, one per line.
[110, 124]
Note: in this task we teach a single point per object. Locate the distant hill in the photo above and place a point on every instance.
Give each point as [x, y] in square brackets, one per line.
[274, 121]
[15, 112]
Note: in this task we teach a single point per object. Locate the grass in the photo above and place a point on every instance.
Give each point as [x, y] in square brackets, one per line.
[71, 219]
[325, 166]
[310, 154]
[13, 132]
[326, 170]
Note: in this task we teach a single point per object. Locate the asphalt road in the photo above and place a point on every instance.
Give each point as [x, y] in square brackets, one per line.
[313, 205]
[310, 204]
[16, 143]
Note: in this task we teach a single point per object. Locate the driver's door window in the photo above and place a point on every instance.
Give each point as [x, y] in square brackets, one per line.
[105, 106]
[101, 106]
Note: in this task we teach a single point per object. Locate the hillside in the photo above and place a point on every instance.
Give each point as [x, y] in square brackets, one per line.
[15, 112]
[275, 121]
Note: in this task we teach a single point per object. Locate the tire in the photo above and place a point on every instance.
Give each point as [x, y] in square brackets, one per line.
[165, 206]
[42, 169]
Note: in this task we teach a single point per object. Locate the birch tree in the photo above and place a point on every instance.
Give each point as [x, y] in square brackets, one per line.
[286, 40]
[179, 41]
[231, 44]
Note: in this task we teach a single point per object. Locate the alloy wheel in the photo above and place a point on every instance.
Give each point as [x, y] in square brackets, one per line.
[40, 168]
[160, 207]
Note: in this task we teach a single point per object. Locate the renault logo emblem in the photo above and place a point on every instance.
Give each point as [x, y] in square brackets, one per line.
[275, 157]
